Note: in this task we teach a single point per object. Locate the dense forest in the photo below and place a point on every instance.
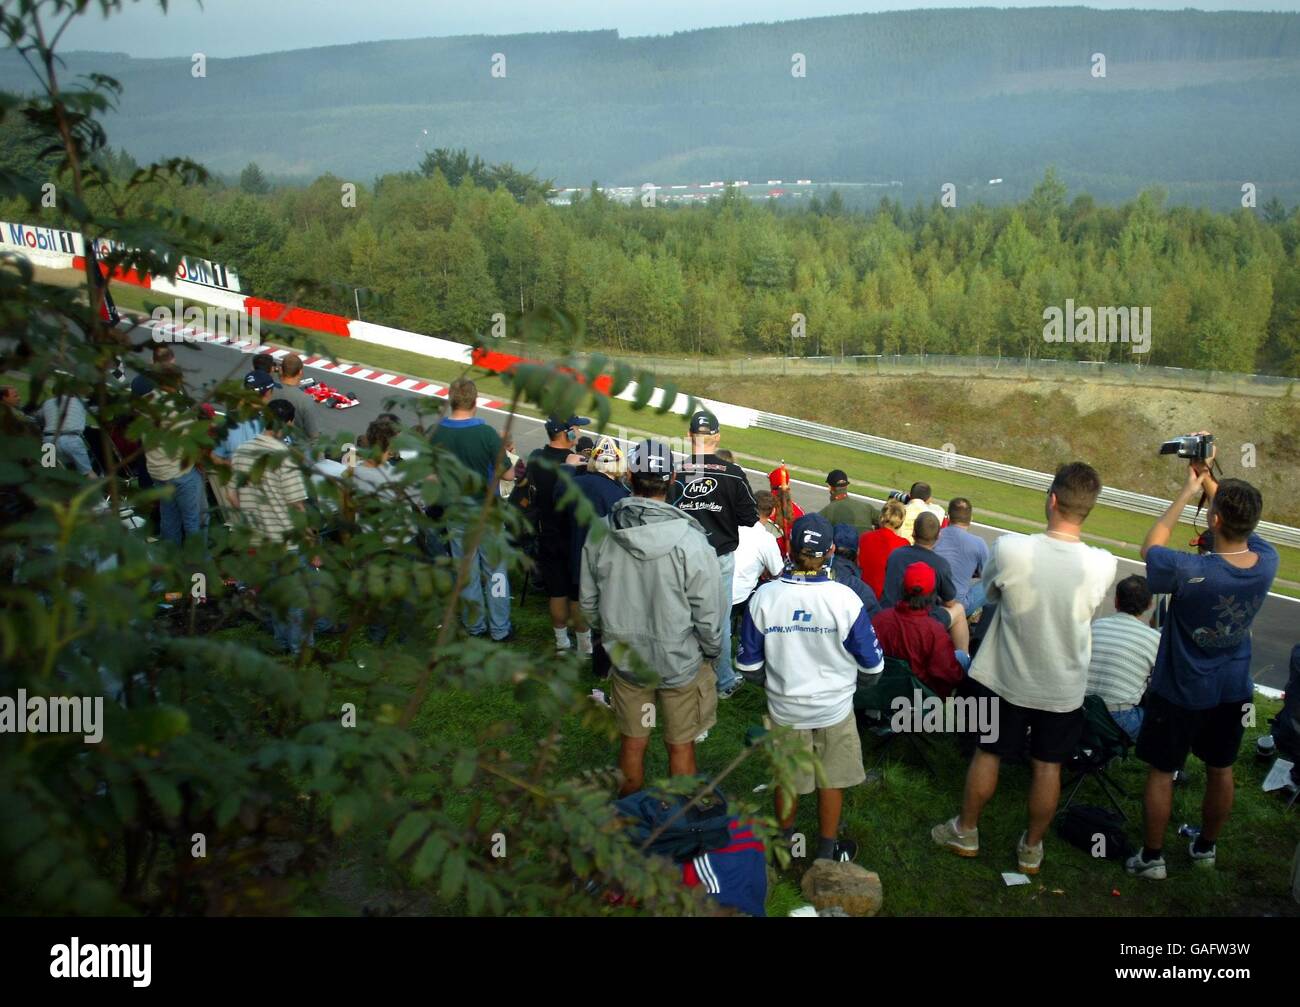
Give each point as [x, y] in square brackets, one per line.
[422, 254]
[1196, 102]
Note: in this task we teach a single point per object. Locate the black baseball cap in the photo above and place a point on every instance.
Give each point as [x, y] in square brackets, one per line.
[650, 458]
[555, 427]
[704, 422]
[837, 477]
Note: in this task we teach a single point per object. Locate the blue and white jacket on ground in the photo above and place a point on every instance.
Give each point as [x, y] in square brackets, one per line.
[814, 636]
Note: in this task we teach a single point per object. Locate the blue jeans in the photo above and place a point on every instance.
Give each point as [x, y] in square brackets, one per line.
[72, 448]
[497, 578]
[1130, 720]
[975, 597]
[722, 666]
[287, 628]
[183, 514]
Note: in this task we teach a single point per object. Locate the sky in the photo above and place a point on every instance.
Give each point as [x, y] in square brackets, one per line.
[223, 28]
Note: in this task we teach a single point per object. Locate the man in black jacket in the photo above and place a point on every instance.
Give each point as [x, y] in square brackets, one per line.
[716, 493]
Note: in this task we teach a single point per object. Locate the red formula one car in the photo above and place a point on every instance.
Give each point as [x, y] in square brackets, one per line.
[328, 396]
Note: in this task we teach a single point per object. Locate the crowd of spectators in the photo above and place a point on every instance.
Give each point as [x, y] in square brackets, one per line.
[653, 562]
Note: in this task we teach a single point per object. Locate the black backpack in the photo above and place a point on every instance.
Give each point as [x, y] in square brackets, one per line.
[1096, 831]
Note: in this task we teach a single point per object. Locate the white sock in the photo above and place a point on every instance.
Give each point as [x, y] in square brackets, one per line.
[584, 642]
[562, 639]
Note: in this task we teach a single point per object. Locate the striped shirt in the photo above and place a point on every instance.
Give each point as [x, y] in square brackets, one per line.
[1123, 654]
[64, 415]
[267, 503]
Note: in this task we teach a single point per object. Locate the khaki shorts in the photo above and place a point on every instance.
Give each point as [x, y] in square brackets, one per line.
[838, 748]
[686, 712]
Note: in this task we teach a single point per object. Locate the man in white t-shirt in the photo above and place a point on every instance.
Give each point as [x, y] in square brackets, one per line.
[1032, 667]
[918, 503]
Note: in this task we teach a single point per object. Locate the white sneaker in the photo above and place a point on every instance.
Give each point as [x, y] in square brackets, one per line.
[1152, 869]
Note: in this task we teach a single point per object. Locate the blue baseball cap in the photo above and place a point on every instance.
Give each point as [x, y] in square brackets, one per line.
[813, 535]
[260, 382]
[556, 426]
[651, 458]
[845, 538]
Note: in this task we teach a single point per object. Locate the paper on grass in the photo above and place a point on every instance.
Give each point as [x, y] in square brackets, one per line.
[1012, 878]
[1278, 776]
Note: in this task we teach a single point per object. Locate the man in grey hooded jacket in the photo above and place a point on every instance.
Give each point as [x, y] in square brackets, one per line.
[651, 583]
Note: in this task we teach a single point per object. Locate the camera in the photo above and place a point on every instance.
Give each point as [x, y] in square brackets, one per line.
[1197, 447]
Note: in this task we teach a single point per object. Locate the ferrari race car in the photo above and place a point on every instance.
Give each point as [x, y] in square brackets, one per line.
[328, 396]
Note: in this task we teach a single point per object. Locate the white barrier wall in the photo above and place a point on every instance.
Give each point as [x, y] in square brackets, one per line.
[399, 339]
[737, 417]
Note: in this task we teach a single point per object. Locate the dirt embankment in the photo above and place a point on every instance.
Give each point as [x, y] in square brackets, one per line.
[1040, 424]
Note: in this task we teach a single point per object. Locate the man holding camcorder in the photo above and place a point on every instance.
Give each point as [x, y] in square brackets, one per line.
[1201, 689]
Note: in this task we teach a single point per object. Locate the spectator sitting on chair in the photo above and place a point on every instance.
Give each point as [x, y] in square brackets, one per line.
[1201, 688]
[652, 585]
[966, 554]
[918, 503]
[844, 566]
[875, 547]
[906, 631]
[1123, 654]
[949, 611]
[808, 641]
[844, 509]
[1033, 665]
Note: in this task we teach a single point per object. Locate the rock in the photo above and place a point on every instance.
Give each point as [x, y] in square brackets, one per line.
[856, 890]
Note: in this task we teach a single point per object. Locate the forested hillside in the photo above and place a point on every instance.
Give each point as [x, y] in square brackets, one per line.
[1223, 289]
[1196, 102]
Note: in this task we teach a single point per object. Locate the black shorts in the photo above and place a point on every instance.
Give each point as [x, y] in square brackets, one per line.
[1169, 732]
[1053, 737]
[553, 566]
[942, 616]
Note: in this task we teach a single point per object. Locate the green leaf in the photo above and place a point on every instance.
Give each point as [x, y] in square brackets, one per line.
[411, 828]
[165, 792]
[453, 874]
[463, 770]
[344, 812]
[429, 857]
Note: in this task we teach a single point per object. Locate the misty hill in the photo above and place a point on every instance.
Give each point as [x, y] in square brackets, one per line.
[1197, 102]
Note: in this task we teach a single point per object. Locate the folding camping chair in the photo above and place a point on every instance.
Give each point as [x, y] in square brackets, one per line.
[1102, 742]
[894, 682]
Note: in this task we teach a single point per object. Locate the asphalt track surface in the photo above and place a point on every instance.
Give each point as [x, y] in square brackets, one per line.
[1276, 629]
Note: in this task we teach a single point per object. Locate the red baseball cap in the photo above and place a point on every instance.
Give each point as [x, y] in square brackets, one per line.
[779, 477]
[918, 578]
